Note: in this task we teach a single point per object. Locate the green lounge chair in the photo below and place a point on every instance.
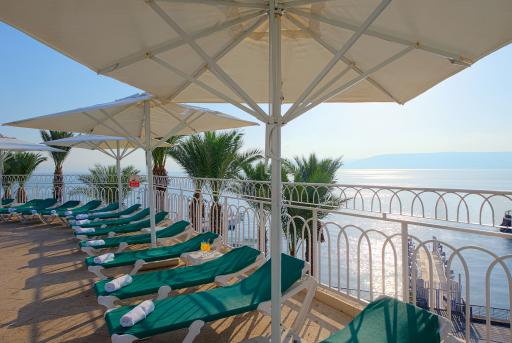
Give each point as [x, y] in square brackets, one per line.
[39, 206]
[7, 202]
[28, 204]
[52, 212]
[179, 230]
[29, 212]
[111, 231]
[193, 310]
[109, 215]
[219, 270]
[114, 206]
[388, 320]
[121, 220]
[138, 258]
[87, 207]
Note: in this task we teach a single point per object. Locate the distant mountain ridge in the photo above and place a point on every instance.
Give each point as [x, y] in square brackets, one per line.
[440, 160]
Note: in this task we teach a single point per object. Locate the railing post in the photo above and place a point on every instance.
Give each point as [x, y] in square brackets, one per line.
[180, 207]
[225, 221]
[261, 229]
[405, 261]
[314, 245]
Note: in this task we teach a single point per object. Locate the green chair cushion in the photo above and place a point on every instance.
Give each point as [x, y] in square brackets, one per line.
[180, 311]
[183, 277]
[64, 207]
[133, 227]
[119, 221]
[117, 214]
[389, 320]
[155, 254]
[170, 231]
[91, 205]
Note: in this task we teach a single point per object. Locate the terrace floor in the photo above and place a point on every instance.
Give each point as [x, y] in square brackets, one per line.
[46, 296]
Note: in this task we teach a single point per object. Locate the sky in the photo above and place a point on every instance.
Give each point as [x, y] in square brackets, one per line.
[470, 112]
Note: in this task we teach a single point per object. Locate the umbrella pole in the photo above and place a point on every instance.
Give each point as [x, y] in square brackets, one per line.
[149, 165]
[275, 111]
[119, 180]
[1, 177]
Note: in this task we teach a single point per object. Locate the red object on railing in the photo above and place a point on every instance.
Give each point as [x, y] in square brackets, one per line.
[134, 182]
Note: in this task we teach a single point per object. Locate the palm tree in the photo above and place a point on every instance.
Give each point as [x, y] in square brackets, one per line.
[301, 170]
[310, 170]
[6, 180]
[159, 172]
[23, 164]
[99, 182]
[216, 156]
[58, 159]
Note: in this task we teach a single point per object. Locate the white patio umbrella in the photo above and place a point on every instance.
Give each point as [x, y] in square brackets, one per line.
[245, 52]
[113, 146]
[8, 144]
[142, 119]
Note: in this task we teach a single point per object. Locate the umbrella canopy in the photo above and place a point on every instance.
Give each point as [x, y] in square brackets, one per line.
[13, 144]
[105, 144]
[302, 52]
[113, 146]
[126, 117]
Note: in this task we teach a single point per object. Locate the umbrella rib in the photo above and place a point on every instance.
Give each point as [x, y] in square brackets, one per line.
[222, 3]
[203, 85]
[343, 58]
[102, 123]
[295, 3]
[180, 126]
[234, 43]
[339, 53]
[215, 68]
[387, 37]
[172, 115]
[352, 82]
[173, 44]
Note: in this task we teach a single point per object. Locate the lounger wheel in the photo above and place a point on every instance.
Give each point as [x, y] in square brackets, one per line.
[163, 292]
[122, 246]
[89, 251]
[96, 270]
[193, 330]
[108, 301]
[123, 338]
[136, 267]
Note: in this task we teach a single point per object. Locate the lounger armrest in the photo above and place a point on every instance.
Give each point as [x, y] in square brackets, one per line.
[223, 280]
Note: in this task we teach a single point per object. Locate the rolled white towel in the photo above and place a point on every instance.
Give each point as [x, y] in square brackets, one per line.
[11, 210]
[34, 211]
[95, 243]
[118, 282]
[109, 257]
[80, 216]
[125, 215]
[68, 213]
[82, 222]
[85, 230]
[138, 313]
[157, 228]
[103, 226]
[54, 212]
[96, 219]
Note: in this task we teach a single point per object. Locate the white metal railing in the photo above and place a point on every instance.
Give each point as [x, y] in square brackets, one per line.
[463, 272]
[467, 206]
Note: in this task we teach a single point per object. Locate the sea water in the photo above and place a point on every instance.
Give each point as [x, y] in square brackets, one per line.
[477, 262]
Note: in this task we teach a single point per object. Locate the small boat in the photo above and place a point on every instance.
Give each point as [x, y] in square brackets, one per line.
[506, 224]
